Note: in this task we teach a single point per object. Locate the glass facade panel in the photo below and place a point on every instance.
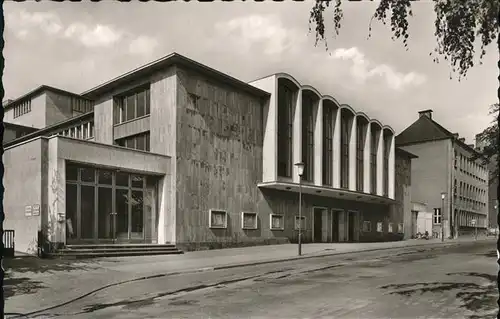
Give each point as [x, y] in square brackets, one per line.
[71, 211]
[87, 211]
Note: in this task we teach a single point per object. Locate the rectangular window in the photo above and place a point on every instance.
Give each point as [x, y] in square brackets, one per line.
[367, 226]
[217, 219]
[249, 220]
[387, 149]
[328, 126]
[345, 124]
[437, 216]
[390, 228]
[360, 150]
[276, 222]
[400, 228]
[138, 142]
[301, 224]
[22, 108]
[308, 137]
[91, 129]
[379, 227]
[132, 105]
[286, 101]
[373, 162]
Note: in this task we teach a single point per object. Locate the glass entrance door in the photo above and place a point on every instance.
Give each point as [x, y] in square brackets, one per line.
[106, 217]
[108, 206]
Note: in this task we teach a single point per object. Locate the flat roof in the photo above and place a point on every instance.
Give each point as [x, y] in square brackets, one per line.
[37, 91]
[50, 128]
[170, 60]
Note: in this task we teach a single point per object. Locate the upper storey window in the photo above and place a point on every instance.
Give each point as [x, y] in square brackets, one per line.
[132, 105]
[81, 105]
[286, 103]
[22, 108]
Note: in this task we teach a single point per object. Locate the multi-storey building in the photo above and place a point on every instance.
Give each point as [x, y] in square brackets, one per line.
[492, 186]
[177, 152]
[446, 165]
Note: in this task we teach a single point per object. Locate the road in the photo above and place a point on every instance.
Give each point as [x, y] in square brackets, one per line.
[422, 282]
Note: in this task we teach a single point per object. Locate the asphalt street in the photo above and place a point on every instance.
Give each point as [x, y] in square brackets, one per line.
[423, 282]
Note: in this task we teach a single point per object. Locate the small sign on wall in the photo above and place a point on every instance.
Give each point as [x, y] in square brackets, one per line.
[28, 211]
[36, 210]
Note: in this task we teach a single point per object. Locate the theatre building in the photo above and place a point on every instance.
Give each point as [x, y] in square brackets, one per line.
[178, 153]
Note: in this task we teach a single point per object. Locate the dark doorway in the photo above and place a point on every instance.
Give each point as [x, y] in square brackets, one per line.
[351, 225]
[318, 225]
[335, 226]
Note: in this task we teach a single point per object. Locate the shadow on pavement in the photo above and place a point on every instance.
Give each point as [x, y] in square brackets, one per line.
[19, 273]
[476, 298]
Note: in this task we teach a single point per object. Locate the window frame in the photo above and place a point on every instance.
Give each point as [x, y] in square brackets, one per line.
[282, 223]
[436, 216]
[328, 131]
[304, 222]
[345, 125]
[256, 223]
[367, 226]
[360, 150]
[211, 212]
[286, 98]
[308, 105]
[121, 104]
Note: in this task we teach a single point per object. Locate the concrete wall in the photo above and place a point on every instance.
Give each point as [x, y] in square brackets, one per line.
[218, 158]
[58, 108]
[8, 135]
[36, 118]
[430, 173]
[401, 212]
[23, 181]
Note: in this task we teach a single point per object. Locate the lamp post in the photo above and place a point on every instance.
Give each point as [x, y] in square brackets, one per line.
[443, 196]
[300, 171]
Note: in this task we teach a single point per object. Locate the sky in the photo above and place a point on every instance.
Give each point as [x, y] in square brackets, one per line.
[77, 46]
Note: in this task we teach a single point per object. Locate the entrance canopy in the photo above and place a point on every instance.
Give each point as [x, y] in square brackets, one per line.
[339, 193]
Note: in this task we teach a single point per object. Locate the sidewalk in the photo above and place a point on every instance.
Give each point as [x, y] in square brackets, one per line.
[79, 278]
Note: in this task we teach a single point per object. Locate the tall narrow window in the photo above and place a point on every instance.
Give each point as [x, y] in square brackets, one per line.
[345, 125]
[285, 130]
[373, 161]
[387, 149]
[360, 150]
[328, 144]
[308, 137]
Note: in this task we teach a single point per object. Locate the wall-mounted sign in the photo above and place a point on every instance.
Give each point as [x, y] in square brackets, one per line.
[36, 210]
[27, 210]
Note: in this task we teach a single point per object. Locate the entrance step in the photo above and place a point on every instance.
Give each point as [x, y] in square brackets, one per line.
[109, 250]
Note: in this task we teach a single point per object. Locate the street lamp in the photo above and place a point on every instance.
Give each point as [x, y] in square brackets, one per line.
[443, 196]
[300, 171]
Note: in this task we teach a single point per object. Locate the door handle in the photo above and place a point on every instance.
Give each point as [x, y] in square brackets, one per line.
[113, 213]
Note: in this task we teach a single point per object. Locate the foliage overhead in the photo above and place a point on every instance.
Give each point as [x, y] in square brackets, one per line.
[490, 138]
[458, 23]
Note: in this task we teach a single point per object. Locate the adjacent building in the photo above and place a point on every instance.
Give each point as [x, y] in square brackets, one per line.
[492, 186]
[177, 152]
[446, 165]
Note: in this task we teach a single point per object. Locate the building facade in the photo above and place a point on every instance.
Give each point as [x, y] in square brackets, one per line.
[492, 186]
[446, 165]
[177, 152]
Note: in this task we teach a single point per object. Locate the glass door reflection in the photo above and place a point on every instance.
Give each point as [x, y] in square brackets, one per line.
[122, 214]
[106, 216]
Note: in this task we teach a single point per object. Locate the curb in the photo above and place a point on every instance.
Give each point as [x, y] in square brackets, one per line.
[286, 259]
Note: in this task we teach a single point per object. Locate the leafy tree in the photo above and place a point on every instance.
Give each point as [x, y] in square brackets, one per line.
[490, 138]
[458, 23]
